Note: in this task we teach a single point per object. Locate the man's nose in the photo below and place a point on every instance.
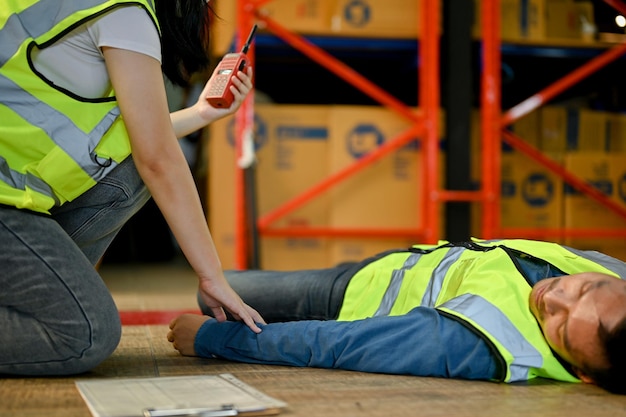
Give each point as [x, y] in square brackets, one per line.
[556, 300]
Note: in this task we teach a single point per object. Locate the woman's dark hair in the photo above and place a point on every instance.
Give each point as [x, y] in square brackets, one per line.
[184, 37]
[613, 378]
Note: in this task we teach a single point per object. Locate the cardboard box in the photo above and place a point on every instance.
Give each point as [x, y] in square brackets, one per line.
[376, 18]
[383, 195]
[532, 195]
[291, 151]
[554, 129]
[573, 129]
[541, 19]
[564, 18]
[350, 18]
[222, 31]
[519, 19]
[297, 147]
[590, 133]
[522, 19]
[311, 17]
[293, 160]
[616, 132]
[606, 172]
[355, 250]
[528, 128]
[221, 190]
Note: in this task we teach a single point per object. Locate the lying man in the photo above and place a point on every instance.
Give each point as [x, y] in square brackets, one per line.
[501, 310]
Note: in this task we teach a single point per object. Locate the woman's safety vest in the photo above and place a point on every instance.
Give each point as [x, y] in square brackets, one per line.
[479, 283]
[54, 145]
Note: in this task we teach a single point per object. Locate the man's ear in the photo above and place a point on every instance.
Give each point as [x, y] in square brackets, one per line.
[583, 376]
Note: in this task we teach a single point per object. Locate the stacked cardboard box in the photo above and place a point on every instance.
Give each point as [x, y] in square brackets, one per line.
[349, 18]
[540, 20]
[297, 147]
[606, 172]
[531, 195]
[588, 143]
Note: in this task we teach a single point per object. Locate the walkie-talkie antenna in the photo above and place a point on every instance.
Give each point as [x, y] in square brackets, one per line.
[249, 40]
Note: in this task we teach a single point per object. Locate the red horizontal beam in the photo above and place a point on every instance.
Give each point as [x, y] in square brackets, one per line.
[449, 195]
[340, 232]
[136, 318]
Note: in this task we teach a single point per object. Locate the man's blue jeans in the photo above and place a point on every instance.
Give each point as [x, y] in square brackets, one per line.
[281, 296]
[56, 314]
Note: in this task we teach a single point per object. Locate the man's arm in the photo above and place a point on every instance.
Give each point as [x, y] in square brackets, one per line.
[421, 343]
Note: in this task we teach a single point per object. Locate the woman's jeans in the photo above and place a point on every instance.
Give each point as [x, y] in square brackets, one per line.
[292, 295]
[56, 314]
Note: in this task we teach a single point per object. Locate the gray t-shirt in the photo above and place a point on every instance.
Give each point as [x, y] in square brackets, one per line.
[76, 62]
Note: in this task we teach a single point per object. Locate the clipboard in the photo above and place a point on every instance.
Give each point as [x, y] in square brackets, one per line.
[181, 396]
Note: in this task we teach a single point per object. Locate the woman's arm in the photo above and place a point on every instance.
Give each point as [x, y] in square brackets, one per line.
[195, 117]
[138, 82]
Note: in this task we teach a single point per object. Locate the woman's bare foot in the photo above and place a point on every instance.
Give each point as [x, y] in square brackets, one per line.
[183, 330]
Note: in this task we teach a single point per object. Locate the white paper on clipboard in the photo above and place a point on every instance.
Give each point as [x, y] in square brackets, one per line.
[129, 397]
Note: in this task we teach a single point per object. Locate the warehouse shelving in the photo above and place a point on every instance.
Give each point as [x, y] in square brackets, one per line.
[425, 126]
[494, 123]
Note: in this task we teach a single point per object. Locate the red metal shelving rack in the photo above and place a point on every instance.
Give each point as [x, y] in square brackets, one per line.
[425, 126]
[494, 122]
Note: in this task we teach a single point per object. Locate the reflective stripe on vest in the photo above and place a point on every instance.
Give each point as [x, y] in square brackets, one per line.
[615, 265]
[68, 148]
[21, 181]
[432, 284]
[394, 286]
[63, 131]
[436, 281]
[497, 324]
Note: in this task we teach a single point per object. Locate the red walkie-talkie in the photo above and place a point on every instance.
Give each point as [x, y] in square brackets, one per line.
[219, 94]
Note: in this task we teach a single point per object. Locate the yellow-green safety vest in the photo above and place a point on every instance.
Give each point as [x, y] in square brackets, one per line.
[480, 284]
[54, 145]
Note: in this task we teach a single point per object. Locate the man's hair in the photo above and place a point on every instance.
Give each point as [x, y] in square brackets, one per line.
[613, 378]
[184, 37]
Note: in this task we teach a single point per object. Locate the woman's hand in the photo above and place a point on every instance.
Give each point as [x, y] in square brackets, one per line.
[217, 294]
[201, 113]
[241, 87]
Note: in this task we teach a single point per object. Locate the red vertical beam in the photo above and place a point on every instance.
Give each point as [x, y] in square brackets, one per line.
[244, 119]
[429, 101]
[490, 118]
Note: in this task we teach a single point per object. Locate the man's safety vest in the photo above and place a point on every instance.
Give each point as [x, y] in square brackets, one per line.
[480, 284]
[54, 145]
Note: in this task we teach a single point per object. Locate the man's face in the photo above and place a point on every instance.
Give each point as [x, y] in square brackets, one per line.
[571, 309]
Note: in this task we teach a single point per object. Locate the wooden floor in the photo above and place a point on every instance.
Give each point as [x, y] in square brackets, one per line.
[153, 293]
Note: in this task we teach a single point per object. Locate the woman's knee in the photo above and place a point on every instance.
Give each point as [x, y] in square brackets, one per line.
[68, 348]
[97, 343]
